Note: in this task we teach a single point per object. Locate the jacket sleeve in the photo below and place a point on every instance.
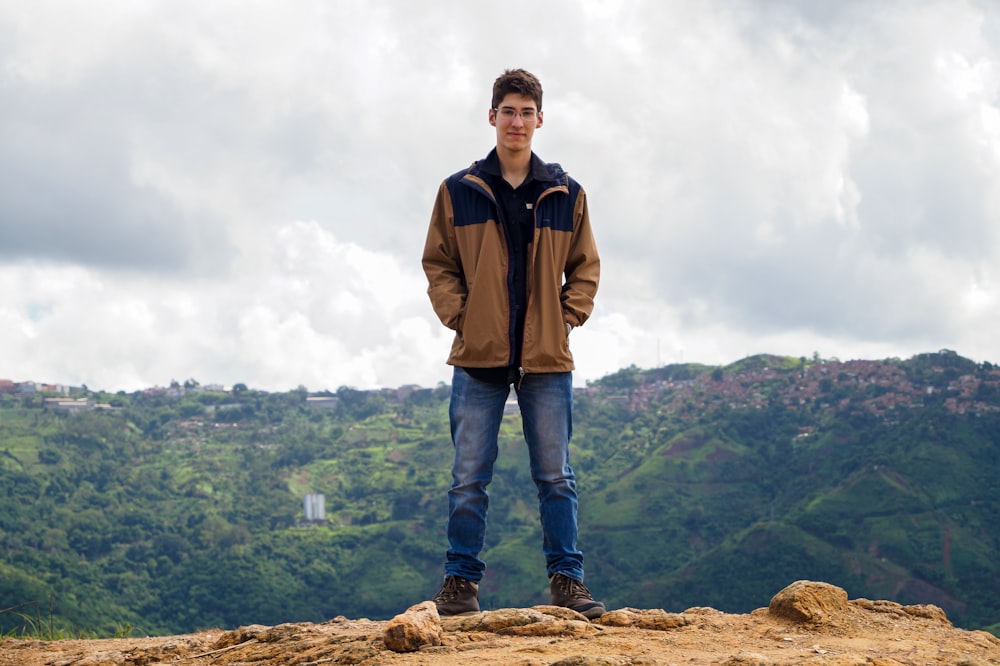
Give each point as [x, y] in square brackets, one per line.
[442, 263]
[583, 267]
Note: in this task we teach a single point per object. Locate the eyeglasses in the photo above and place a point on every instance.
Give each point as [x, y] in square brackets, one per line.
[509, 113]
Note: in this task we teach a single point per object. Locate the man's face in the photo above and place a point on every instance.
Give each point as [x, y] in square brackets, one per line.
[516, 119]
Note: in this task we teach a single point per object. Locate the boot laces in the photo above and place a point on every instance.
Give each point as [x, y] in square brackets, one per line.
[453, 586]
[573, 588]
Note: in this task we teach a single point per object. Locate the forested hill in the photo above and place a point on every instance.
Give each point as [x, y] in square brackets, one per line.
[167, 511]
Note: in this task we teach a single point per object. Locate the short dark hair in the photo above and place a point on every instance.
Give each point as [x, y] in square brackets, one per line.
[517, 81]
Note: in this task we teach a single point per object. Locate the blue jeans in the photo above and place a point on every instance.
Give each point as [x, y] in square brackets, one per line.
[546, 402]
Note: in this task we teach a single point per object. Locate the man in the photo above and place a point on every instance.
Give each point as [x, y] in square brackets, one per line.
[512, 268]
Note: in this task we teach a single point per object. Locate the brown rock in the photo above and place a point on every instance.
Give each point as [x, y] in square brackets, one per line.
[809, 601]
[419, 626]
[495, 621]
[561, 612]
[929, 611]
[880, 606]
[241, 635]
[656, 619]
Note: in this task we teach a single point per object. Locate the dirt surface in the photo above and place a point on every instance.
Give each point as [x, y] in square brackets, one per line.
[812, 624]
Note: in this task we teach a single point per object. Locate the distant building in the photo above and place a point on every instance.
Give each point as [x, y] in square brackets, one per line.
[322, 401]
[67, 406]
[315, 508]
[404, 392]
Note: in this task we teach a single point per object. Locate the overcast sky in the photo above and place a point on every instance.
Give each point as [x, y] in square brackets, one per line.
[234, 191]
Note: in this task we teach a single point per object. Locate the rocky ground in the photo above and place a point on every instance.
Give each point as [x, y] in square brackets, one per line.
[806, 623]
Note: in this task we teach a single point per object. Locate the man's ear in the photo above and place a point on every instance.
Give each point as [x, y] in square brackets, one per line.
[541, 117]
[493, 117]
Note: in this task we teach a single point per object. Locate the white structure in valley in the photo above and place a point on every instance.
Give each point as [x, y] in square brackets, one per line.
[315, 508]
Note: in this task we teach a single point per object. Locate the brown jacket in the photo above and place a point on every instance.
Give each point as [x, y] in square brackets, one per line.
[466, 262]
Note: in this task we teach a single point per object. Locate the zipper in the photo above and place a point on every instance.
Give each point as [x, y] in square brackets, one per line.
[529, 269]
[510, 279]
[480, 185]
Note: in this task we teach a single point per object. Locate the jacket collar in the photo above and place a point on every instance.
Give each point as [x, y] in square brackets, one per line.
[540, 171]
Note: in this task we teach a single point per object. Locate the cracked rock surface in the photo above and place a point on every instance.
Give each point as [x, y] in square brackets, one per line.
[807, 623]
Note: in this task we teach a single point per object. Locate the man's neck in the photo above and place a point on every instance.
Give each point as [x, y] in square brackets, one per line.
[514, 165]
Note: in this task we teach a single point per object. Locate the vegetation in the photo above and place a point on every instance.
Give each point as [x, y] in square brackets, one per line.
[172, 511]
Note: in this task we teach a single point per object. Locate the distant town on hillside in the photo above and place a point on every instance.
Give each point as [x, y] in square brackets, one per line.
[882, 387]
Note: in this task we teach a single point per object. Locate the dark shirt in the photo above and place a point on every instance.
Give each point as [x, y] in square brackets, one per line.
[517, 215]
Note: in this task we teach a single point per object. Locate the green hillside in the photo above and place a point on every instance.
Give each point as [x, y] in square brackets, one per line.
[176, 510]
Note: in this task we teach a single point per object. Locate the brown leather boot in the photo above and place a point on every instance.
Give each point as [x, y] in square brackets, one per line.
[458, 596]
[570, 593]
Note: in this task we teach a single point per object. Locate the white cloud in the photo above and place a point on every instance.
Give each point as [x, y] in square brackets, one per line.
[239, 192]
